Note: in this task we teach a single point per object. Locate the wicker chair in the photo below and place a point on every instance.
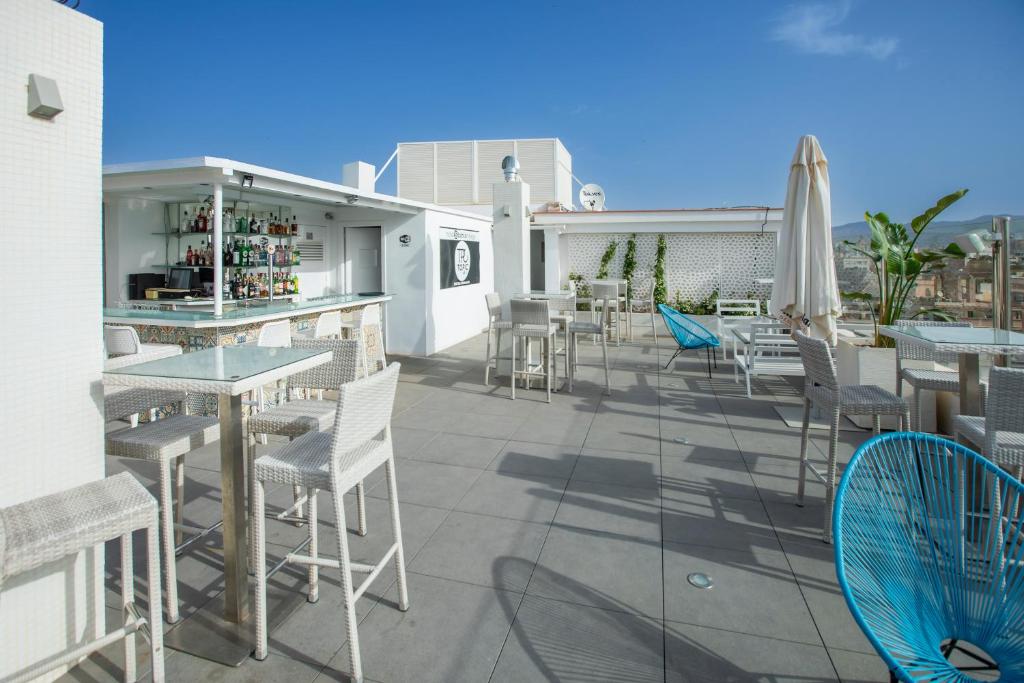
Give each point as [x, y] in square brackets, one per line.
[1000, 434]
[927, 564]
[296, 417]
[821, 387]
[575, 328]
[923, 379]
[604, 307]
[335, 462]
[651, 306]
[532, 320]
[53, 527]
[563, 312]
[495, 325]
[365, 320]
[328, 326]
[167, 442]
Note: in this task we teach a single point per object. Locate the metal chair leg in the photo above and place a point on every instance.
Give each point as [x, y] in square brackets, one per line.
[802, 480]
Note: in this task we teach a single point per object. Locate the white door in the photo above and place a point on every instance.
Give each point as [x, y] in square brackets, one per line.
[362, 259]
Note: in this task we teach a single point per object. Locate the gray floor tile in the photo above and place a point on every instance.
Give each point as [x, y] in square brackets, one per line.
[634, 435]
[858, 667]
[460, 449]
[708, 655]
[428, 483]
[754, 592]
[452, 632]
[486, 551]
[514, 496]
[561, 427]
[708, 519]
[718, 476]
[552, 640]
[544, 460]
[625, 468]
[599, 569]
[627, 512]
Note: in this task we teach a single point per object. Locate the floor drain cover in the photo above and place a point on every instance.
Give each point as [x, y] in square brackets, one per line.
[700, 580]
[681, 439]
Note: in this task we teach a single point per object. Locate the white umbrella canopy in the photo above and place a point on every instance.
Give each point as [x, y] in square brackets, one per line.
[805, 290]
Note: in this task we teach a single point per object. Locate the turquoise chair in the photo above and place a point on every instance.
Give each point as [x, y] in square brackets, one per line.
[930, 558]
[689, 334]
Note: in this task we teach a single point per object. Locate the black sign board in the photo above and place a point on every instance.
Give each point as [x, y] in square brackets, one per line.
[460, 258]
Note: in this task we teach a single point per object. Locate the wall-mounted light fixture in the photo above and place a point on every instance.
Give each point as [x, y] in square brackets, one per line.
[43, 97]
[247, 180]
[351, 198]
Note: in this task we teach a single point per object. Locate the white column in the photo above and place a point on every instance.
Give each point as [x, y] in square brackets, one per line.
[511, 239]
[218, 250]
[552, 260]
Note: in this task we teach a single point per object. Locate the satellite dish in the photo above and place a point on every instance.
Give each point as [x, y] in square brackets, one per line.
[592, 197]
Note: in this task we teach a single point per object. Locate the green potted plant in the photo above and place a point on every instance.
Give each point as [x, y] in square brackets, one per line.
[897, 262]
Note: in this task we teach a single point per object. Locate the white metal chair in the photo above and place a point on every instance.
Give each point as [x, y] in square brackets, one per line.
[731, 311]
[166, 442]
[604, 307]
[59, 525]
[495, 326]
[822, 388]
[1000, 434]
[296, 417]
[367, 320]
[593, 328]
[649, 302]
[771, 351]
[531, 319]
[921, 379]
[320, 461]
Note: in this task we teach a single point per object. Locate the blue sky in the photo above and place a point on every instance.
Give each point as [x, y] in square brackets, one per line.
[665, 104]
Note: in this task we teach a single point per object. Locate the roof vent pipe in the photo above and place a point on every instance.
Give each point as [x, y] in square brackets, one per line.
[510, 167]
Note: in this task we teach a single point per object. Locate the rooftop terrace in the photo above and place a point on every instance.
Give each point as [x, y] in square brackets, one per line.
[553, 542]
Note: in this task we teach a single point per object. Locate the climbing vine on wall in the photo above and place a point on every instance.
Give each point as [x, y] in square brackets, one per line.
[629, 265]
[660, 291]
[606, 258]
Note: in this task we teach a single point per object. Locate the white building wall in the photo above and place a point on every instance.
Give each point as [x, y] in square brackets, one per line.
[50, 187]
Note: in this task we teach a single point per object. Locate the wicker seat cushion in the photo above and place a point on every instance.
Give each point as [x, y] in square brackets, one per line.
[935, 380]
[1009, 448]
[51, 527]
[585, 327]
[867, 399]
[502, 324]
[294, 418]
[165, 439]
[306, 461]
[531, 330]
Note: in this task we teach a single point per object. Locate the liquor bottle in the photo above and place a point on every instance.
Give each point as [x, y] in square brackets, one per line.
[295, 284]
[296, 257]
[189, 256]
[201, 220]
[252, 224]
[295, 226]
[186, 223]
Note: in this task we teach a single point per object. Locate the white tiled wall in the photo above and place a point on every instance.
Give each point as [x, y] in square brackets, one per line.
[51, 333]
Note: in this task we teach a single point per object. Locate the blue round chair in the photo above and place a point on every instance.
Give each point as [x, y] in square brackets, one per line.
[929, 544]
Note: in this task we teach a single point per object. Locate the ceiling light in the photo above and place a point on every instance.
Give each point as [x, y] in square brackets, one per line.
[246, 180]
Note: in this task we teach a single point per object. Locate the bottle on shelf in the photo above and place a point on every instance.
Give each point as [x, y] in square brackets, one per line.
[295, 226]
[296, 257]
[201, 220]
[186, 223]
[189, 256]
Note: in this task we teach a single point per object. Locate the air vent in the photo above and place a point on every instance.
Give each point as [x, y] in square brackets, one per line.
[311, 250]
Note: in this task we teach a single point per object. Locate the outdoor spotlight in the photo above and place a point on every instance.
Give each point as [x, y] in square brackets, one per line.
[43, 97]
[510, 167]
[351, 198]
[246, 180]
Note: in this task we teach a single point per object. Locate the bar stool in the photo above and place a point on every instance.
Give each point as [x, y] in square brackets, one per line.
[296, 417]
[167, 442]
[328, 325]
[365, 320]
[821, 386]
[1000, 434]
[563, 312]
[59, 525]
[336, 461]
[606, 298]
[921, 379]
[495, 325]
[581, 327]
[650, 303]
[531, 319]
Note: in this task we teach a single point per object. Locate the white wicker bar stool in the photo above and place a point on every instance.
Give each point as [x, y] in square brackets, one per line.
[1000, 434]
[563, 312]
[531, 319]
[605, 298]
[365, 320]
[647, 301]
[495, 326]
[58, 525]
[328, 326]
[922, 379]
[296, 417]
[336, 462]
[821, 387]
[165, 442]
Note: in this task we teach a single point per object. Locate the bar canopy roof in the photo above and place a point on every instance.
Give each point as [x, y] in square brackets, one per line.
[192, 180]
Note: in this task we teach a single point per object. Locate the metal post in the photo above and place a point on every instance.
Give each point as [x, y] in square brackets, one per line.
[1002, 298]
[232, 473]
[218, 250]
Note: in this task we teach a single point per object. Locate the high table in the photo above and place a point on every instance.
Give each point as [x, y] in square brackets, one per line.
[229, 372]
[968, 343]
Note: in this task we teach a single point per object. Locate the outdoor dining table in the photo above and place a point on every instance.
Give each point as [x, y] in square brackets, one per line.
[228, 372]
[968, 343]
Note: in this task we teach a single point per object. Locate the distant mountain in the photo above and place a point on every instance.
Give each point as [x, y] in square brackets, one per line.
[938, 234]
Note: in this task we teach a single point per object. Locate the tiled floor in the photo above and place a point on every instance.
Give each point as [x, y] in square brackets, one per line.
[553, 542]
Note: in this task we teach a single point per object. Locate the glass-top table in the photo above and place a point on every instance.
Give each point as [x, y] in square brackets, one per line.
[968, 343]
[228, 371]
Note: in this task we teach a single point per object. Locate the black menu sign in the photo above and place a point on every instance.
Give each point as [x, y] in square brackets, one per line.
[460, 258]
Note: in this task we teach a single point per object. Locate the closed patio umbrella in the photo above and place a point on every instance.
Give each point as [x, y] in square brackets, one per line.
[805, 290]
